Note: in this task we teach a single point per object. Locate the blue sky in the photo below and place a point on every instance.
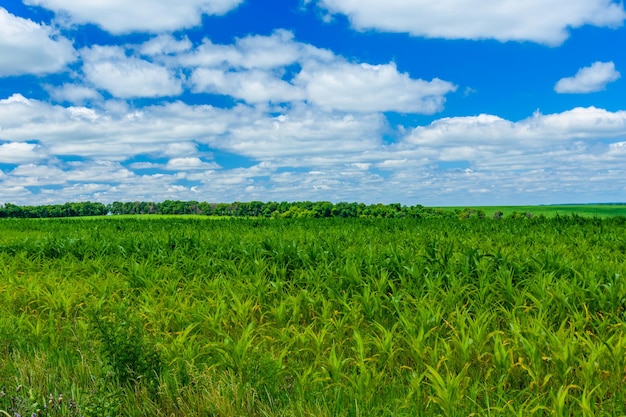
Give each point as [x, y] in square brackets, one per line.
[454, 102]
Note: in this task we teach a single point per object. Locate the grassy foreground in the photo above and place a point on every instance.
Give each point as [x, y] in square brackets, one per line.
[313, 317]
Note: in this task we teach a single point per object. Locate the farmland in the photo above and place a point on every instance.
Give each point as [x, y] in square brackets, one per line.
[313, 317]
[587, 210]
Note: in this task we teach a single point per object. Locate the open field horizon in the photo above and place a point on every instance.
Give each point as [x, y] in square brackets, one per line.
[585, 210]
[301, 209]
[588, 210]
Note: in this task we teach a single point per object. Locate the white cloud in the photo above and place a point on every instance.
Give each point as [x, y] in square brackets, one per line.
[579, 123]
[178, 149]
[304, 134]
[589, 79]
[543, 21]
[165, 44]
[108, 68]
[16, 194]
[371, 88]
[20, 152]
[543, 157]
[189, 163]
[251, 86]
[17, 111]
[99, 133]
[27, 47]
[121, 16]
[254, 69]
[98, 171]
[36, 175]
[74, 93]
[618, 148]
[144, 165]
[251, 52]
[538, 130]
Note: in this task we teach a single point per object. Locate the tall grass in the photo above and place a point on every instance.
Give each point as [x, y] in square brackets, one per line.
[332, 317]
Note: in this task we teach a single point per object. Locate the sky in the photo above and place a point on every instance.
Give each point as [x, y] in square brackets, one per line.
[453, 102]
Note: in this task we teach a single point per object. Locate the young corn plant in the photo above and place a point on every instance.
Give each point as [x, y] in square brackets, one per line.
[448, 390]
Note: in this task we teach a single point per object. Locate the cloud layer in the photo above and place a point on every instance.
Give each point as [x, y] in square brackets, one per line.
[120, 16]
[257, 70]
[542, 21]
[302, 153]
[151, 111]
[108, 68]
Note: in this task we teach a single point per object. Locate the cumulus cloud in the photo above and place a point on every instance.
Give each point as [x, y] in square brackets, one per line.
[252, 52]
[74, 93]
[90, 133]
[17, 110]
[18, 193]
[254, 69]
[20, 152]
[305, 134]
[33, 175]
[559, 155]
[108, 68]
[538, 130]
[542, 21]
[154, 16]
[251, 86]
[589, 79]
[165, 44]
[178, 149]
[189, 163]
[27, 47]
[370, 88]
[96, 171]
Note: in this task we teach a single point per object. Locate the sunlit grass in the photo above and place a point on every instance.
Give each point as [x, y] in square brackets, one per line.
[586, 210]
[353, 317]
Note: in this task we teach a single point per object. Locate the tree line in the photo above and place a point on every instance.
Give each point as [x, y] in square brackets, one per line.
[237, 209]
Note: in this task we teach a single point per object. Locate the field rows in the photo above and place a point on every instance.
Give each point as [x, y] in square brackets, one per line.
[334, 317]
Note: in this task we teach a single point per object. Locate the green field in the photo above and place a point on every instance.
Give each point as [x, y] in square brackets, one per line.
[313, 317]
[586, 210]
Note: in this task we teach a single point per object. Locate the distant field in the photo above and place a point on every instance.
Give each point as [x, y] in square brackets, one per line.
[587, 210]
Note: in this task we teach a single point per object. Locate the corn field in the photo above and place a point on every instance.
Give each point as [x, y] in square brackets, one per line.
[313, 317]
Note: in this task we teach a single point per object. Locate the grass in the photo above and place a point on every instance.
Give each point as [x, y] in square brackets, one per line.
[328, 317]
[586, 210]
